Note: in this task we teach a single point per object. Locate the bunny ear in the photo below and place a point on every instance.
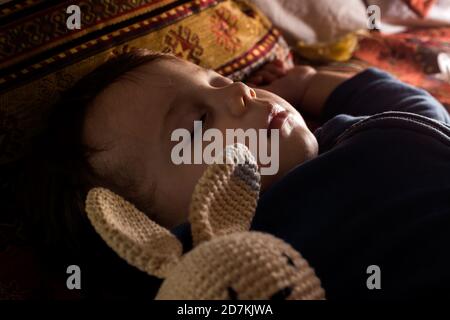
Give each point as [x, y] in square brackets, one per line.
[225, 198]
[131, 234]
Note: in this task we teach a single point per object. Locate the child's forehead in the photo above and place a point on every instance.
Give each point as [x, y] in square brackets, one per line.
[157, 80]
[169, 67]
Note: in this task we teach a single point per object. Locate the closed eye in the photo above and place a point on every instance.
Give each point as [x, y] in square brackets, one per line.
[203, 117]
[196, 127]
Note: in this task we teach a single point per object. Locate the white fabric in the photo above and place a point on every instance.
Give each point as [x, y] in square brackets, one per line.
[315, 20]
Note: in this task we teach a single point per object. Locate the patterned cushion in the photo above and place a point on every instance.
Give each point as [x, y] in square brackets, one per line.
[40, 57]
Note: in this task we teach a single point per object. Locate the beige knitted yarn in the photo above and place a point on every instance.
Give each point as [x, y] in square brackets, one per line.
[227, 261]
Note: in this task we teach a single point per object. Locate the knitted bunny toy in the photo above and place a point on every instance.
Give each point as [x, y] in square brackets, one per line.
[227, 261]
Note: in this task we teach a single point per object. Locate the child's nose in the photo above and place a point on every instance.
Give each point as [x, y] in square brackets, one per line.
[236, 96]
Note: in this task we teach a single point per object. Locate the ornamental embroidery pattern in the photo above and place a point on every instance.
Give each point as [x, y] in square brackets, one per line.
[184, 44]
[44, 27]
[224, 27]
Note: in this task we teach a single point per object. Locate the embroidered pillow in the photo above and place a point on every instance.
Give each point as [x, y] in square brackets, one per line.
[40, 56]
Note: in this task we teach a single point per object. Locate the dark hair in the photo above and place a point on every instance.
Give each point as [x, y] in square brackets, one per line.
[57, 174]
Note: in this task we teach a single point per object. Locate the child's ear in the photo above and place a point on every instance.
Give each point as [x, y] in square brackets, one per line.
[131, 234]
[225, 198]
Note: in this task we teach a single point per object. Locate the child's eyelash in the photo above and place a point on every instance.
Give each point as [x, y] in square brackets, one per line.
[202, 118]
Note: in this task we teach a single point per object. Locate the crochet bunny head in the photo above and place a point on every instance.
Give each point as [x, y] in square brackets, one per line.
[227, 261]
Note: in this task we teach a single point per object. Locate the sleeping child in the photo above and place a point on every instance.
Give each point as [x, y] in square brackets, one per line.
[369, 187]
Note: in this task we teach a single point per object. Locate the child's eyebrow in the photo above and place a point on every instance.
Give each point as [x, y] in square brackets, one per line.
[198, 70]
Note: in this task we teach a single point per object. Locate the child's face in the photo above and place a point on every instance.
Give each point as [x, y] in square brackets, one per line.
[133, 120]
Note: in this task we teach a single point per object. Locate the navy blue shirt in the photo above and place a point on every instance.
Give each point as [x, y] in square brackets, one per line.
[377, 194]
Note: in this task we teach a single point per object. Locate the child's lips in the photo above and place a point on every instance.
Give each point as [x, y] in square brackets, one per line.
[277, 118]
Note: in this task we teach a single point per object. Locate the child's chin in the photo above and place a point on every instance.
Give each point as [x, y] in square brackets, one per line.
[298, 148]
[301, 143]
[295, 148]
